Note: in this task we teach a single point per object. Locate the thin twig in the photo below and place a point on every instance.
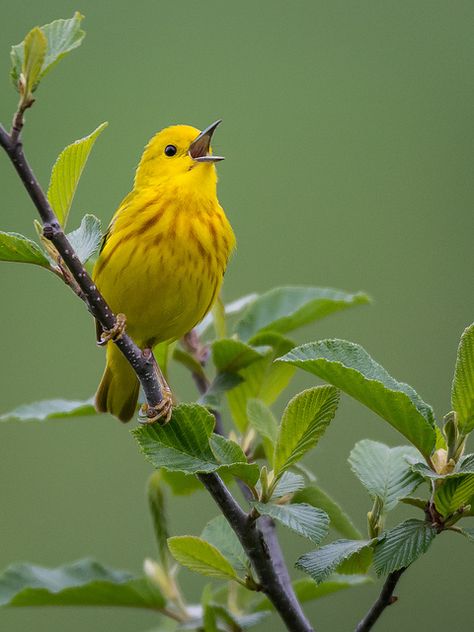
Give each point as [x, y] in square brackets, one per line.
[52, 230]
[384, 600]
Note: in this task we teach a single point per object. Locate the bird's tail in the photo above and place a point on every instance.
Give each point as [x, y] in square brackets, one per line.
[118, 389]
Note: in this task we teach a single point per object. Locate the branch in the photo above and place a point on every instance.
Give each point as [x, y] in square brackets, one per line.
[267, 536]
[52, 230]
[274, 578]
[260, 554]
[384, 600]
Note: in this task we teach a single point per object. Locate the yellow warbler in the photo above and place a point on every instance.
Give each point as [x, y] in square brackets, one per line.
[164, 255]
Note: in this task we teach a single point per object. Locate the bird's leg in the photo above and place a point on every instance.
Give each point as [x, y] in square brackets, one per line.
[163, 410]
[116, 332]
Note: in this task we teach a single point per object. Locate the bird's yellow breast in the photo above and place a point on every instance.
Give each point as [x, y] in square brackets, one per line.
[164, 259]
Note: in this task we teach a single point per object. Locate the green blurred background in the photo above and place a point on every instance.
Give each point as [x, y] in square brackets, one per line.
[349, 143]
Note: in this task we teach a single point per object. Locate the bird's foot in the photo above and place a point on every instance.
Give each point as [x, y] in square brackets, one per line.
[160, 412]
[116, 332]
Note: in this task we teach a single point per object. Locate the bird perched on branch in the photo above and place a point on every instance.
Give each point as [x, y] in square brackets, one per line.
[163, 258]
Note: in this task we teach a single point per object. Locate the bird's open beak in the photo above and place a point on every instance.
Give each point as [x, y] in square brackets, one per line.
[199, 148]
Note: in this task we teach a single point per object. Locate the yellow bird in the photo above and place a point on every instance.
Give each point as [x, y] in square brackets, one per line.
[163, 257]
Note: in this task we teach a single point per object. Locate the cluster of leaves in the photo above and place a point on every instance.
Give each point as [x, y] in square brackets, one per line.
[253, 361]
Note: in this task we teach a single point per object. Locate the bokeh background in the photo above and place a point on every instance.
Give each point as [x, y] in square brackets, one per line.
[349, 142]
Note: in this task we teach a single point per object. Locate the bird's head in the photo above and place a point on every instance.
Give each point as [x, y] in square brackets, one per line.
[181, 152]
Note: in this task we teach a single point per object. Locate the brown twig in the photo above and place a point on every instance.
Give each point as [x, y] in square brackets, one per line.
[384, 600]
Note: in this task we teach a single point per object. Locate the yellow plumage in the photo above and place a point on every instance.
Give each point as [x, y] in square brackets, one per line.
[165, 253]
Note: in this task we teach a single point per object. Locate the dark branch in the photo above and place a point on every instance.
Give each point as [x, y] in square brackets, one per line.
[260, 554]
[384, 600]
[52, 230]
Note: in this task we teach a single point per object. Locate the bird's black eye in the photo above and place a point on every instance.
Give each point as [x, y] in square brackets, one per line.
[170, 150]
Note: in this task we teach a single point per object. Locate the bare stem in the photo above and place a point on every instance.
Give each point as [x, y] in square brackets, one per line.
[384, 600]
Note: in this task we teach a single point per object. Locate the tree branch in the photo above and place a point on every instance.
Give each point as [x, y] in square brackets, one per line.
[144, 366]
[274, 578]
[384, 600]
[260, 554]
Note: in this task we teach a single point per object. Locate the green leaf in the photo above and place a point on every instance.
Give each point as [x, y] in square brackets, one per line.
[467, 533]
[384, 471]
[454, 494]
[219, 533]
[82, 583]
[156, 502]
[222, 383]
[402, 545]
[301, 518]
[50, 409]
[262, 419]
[86, 239]
[462, 391]
[262, 379]
[189, 361]
[201, 557]
[231, 355]
[304, 421]
[231, 457]
[464, 466]
[339, 520]
[347, 555]
[235, 307]
[184, 445]
[237, 622]
[288, 484]
[349, 367]
[16, 247]
[182, 484]
[66, 173]
[35, 45]
[286, 308]
[62, 37]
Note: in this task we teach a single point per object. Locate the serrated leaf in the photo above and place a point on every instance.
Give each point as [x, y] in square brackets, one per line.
[238, 622]
[304, 421]
[262, 379]
[82, 583]
[301, 518]
[184, 445]
[34, 46]
[201, 557]
[350, 554]
[232, 355]
[222, 383]
[288, 484]
[462, 390]
[182, 484]
[283, 309]
[339, 520]
[62, 37]
[86, 239]
[465, 465]
[230, 309]
[384, 471]
[50, 409]
[231, 457]
[219, 533]
[66, 173]
[467, 533]
[262, 419]
[454, 494]
[16, 247]
[349, 367]
[402, 545]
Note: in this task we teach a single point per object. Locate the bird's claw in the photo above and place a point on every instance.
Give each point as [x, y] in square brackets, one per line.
[116, 332]
[160, 412]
